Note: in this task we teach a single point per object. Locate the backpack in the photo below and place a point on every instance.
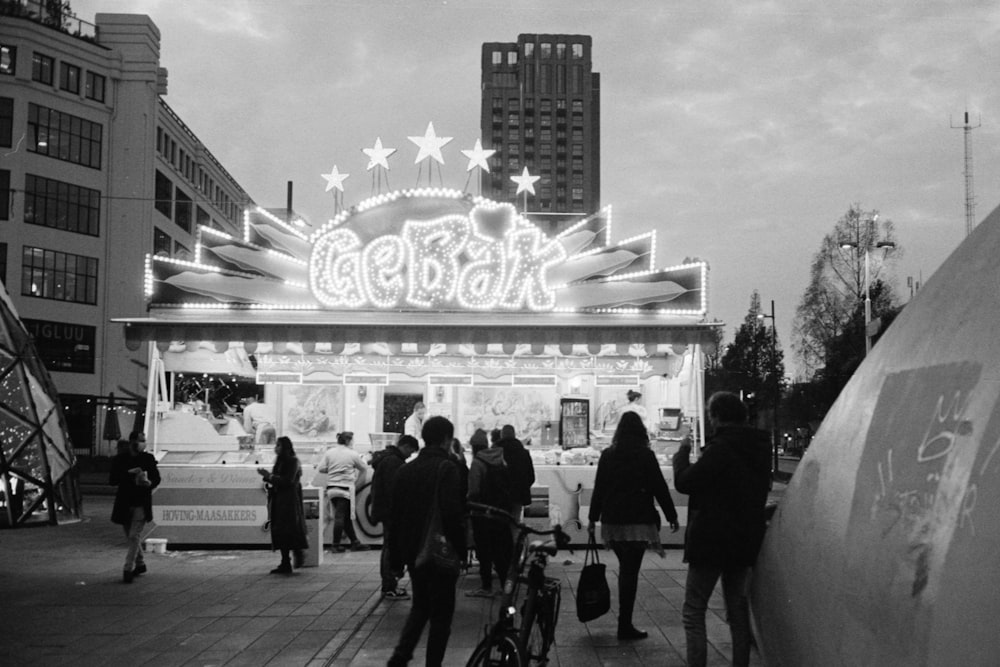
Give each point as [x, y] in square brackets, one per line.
[496, 487]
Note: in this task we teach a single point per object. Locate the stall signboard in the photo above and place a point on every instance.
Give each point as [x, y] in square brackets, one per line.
[428, 250]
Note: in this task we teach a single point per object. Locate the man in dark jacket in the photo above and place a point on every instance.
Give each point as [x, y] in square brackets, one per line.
[728, 489]
[386, 464]
[489, 484]
[413, 497]
[522, 470]
[135, 473]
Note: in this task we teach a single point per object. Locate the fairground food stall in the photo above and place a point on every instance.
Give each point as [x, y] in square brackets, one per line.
[431, 295]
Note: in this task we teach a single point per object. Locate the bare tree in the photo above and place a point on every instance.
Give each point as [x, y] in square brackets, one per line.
[836, 289]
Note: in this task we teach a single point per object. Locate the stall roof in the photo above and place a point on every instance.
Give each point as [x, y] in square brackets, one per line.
[535, 329]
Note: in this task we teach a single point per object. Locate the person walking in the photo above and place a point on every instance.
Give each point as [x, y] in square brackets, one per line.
[522, 470]
[284, 503]
[412, 498]
[728, 487]
[134, 472]
[628, 480]
[490, 484]
[345, 471]
[386, 465]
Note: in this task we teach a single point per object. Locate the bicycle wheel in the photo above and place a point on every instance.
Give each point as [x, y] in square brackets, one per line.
[539, 624]
[497, 651]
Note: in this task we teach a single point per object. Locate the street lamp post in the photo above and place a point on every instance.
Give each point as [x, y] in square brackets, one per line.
[856, 245]
[775, 433]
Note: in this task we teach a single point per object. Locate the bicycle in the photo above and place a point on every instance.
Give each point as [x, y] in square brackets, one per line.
[507, 642]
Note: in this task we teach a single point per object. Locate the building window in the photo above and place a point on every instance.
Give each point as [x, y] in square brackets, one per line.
[514, 134]
[561, 79]
[41, 68]
[545, 79]
[48, 274]
[576, 80]
[94, 88]
[497, 104]
[576, 150]
[69, 78]
[4, 194]
[560, 50]
[497, 57]
[164, 195]
[529, 49]
[577, 51]
[181, 252]
[202, 218]
[513, 149]
[6, 121]
[577, 106]
[8, 60]
[63, 136]
[512, 57]
[161, 243]
[546, 49]
[182, 210]
[59, 205]
[577, 194]
[577, 134]
[513, 119]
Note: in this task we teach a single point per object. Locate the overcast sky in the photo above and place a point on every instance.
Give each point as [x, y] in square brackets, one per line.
[740, 131]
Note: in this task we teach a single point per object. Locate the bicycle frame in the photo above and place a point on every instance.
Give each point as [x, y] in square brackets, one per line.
[542, 595]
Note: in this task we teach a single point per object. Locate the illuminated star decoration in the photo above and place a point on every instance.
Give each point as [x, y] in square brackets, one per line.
[335, 179]
[525, 182]
[478, 156]
[377, 155]
[430, 145]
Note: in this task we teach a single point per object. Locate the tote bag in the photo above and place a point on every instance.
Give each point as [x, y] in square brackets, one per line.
[593, 597]
[436, 551]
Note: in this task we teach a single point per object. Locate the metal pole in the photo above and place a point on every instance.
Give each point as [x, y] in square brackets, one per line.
[868, 307]
[776, 432]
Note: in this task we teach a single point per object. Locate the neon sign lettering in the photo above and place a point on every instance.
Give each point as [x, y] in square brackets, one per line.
[444, 262]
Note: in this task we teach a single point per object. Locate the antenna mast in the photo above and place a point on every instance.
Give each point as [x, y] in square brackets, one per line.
[970, 196]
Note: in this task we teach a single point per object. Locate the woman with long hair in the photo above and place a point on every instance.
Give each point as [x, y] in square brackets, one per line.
[284, 499]
[628, 479]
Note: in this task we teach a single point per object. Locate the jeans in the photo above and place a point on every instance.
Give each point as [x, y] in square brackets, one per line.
[342, 522]
[735, 590]
[133, 533]
[493, 549]
[629, 560]
[389, 578]
[434, 601]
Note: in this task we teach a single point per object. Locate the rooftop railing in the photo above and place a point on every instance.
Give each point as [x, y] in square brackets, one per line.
[52, 13]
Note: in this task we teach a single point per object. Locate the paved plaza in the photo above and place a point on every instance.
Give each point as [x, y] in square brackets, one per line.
[65, 604]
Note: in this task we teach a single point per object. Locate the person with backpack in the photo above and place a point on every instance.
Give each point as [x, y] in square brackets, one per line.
[490, 483]
[386, 464]
[522, 470]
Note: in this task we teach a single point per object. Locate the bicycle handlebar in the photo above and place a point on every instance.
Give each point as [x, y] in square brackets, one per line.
[491, 512]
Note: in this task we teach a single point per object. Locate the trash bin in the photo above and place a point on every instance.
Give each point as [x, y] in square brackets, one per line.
[313, 500]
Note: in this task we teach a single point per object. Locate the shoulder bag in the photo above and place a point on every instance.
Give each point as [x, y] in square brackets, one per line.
[593, 597]
[436, 551]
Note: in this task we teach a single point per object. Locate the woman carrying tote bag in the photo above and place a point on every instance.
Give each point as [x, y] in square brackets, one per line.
[628, 479]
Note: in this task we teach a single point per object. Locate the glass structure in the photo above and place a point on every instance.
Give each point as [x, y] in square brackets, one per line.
[38, 476]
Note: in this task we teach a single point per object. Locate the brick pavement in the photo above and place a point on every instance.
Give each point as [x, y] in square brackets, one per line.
[64, 604]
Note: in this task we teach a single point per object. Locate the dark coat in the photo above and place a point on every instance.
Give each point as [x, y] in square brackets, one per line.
[412, 498]
[389, 461]
[728, 487]
[627, 481]
[130, 494]
[284, 502]
[522, 470]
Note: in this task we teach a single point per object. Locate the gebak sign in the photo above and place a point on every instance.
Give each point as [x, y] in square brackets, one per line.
[491, 259]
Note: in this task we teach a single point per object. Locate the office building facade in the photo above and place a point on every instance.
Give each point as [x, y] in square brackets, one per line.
[541, 110]
[97, 172]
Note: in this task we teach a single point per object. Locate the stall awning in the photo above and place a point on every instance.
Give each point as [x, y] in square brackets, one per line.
[422, 329]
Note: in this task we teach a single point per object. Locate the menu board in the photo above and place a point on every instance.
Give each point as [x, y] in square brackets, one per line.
[574, 422]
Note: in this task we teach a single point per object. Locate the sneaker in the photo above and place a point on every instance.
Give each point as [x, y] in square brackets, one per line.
[140, 568]
[398, 594]
[479, 593]
[630, 633]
